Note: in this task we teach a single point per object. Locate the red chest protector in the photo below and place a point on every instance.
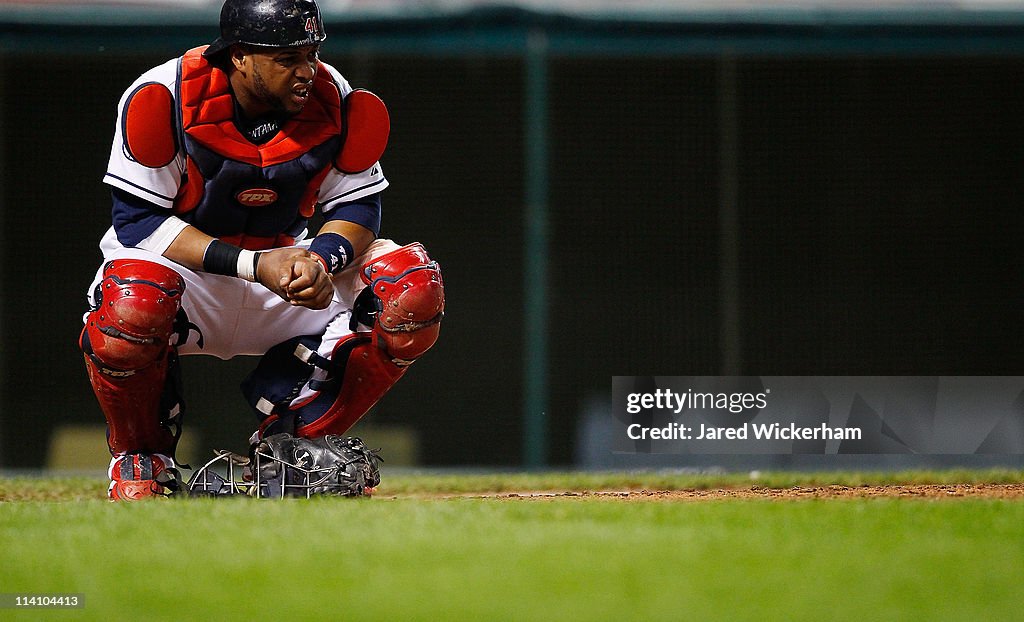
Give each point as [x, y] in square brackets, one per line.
[207, 115]
[255, 196]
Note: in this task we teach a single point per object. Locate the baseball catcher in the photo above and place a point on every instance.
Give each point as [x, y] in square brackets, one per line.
[219, 160]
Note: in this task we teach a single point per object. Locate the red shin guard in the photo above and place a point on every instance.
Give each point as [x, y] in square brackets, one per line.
[126, 343]
[369, 374]
[404, 315]
[131, 406]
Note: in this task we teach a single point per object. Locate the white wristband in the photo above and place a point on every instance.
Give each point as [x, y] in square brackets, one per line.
[247, 265]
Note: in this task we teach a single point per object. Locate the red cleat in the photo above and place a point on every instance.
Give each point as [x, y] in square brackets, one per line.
[137, 476]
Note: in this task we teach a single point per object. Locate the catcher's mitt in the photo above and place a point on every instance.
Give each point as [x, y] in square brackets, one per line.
[286, 466]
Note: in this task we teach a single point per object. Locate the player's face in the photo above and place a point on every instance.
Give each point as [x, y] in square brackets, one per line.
[277, 80]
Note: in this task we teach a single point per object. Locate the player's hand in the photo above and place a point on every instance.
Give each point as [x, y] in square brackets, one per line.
[307, 284]
[295, 276]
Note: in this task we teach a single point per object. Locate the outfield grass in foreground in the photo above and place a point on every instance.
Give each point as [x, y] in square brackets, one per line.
[408, 558]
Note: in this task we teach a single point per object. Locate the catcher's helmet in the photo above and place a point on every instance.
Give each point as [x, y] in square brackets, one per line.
[268, 23]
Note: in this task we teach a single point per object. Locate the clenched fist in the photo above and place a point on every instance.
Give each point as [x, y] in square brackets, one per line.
[295, 276]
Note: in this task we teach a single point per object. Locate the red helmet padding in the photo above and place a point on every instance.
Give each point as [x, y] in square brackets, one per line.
[148, 125]
[411, 291]
[137, 302]
[367, 126]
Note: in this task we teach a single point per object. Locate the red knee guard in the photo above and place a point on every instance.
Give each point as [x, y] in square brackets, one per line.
[126, 343]
[411, 294]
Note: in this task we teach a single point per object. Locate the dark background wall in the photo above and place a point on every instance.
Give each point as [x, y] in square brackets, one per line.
[876, 194]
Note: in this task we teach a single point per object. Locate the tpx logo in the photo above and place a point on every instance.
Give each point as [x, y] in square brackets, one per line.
[256, 197]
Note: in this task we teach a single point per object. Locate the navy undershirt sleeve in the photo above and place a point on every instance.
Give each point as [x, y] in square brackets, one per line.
[135, 219]
[365, 211]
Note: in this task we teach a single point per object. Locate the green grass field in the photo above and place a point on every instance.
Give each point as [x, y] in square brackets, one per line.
[407, 556]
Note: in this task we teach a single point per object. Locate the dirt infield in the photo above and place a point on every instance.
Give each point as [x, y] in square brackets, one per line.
[920, 491]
